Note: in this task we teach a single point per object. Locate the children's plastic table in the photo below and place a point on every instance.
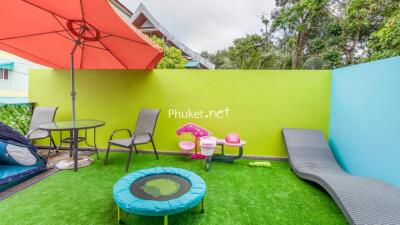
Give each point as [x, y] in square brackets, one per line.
[228, 158]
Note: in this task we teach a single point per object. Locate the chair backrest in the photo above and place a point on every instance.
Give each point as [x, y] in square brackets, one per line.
[147, 120]
[42, 115]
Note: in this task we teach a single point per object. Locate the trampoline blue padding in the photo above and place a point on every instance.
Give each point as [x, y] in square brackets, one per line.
[135, 204]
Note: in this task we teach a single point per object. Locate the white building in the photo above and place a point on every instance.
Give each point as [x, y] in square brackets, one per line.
[143, 20]
[14, 75]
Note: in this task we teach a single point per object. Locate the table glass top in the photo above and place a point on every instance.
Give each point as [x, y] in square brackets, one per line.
[69, 125]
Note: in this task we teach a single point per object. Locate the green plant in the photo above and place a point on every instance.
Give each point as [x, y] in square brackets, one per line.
[16, 116]
[385, 42]
[173, 58]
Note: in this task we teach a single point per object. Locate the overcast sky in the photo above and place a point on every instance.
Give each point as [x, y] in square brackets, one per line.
[207, 24]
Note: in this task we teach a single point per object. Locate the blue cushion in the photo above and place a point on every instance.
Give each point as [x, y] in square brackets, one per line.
[131, 204]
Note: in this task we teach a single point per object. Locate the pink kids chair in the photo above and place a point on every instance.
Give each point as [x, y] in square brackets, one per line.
[188, 146]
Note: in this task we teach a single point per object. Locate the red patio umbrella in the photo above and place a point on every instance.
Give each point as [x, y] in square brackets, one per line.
[83, 34]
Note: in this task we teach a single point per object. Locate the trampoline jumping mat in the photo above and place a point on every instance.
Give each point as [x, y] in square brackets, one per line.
[160, 187]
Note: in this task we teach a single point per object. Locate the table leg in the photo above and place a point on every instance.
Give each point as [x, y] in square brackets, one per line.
[165, 220]
[70, 144]
[75, 148]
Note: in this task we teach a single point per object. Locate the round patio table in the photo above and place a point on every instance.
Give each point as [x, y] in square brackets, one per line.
[73, 126]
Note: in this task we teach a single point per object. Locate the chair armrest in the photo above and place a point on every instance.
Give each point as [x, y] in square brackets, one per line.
[119, 130]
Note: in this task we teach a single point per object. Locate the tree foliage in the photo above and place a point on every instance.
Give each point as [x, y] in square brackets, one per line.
[385, 42]
[173, 58]
[255, 51]
[250, 52]
[300, 19]
[16, 116]
[318, 34]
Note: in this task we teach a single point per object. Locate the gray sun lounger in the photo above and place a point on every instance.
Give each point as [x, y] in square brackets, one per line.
[362, 200]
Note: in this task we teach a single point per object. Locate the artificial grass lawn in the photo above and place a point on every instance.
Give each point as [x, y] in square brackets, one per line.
[236, 195]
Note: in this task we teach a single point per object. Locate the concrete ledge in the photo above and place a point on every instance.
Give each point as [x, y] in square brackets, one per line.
[172, 152]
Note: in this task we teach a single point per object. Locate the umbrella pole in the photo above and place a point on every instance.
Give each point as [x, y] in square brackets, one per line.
[73, 92]
[74, 132]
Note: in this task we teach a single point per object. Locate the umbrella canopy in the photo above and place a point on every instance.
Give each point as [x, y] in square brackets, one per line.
[83, 34]
[45, 32]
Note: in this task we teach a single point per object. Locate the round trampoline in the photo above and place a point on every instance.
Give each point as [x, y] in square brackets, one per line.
[160, 191]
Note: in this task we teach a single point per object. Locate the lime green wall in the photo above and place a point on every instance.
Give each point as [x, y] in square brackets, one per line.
[260, 103]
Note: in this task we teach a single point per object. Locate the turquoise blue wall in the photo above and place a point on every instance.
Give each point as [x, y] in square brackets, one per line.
[365, 119]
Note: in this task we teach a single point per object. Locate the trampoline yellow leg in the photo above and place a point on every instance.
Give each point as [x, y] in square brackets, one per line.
[165, 220]
[202, 205]
[119, 215]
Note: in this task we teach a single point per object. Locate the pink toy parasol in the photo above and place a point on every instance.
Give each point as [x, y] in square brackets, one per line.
[194, 129]
[197, 132]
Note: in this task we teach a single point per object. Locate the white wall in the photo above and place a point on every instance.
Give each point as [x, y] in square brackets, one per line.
[17, 83]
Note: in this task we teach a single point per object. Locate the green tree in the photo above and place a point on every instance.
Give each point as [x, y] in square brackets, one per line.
[250, 52]
[354, 21]
[385, 42]
[317, 34]
[246, 53]
[330, 33]
[299, 19]
[173, 58]
[221, 60]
